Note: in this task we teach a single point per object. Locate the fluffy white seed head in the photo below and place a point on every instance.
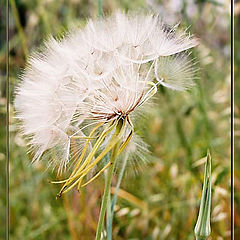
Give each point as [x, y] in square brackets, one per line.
[99, 73]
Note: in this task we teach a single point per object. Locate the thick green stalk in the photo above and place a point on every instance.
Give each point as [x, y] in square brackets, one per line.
[108, 184]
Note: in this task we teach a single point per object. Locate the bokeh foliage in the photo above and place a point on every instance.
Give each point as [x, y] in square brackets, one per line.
[162, 201]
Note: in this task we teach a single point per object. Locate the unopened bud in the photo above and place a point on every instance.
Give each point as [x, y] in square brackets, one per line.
[202, 229]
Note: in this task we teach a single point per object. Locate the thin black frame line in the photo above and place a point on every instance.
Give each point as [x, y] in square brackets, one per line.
[7, 118]
[232, 119]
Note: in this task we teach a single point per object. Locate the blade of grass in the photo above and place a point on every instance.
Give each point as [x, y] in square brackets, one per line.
[19, 28]
[130, 198]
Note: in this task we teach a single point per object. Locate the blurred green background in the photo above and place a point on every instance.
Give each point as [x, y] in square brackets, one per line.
[162, 201]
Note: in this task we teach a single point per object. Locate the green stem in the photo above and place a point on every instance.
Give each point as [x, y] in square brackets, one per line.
[114, 200]
[108, 217]
[108, 185]
[99, 9]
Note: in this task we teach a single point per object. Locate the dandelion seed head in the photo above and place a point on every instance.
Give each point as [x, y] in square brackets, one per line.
[103, 72]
